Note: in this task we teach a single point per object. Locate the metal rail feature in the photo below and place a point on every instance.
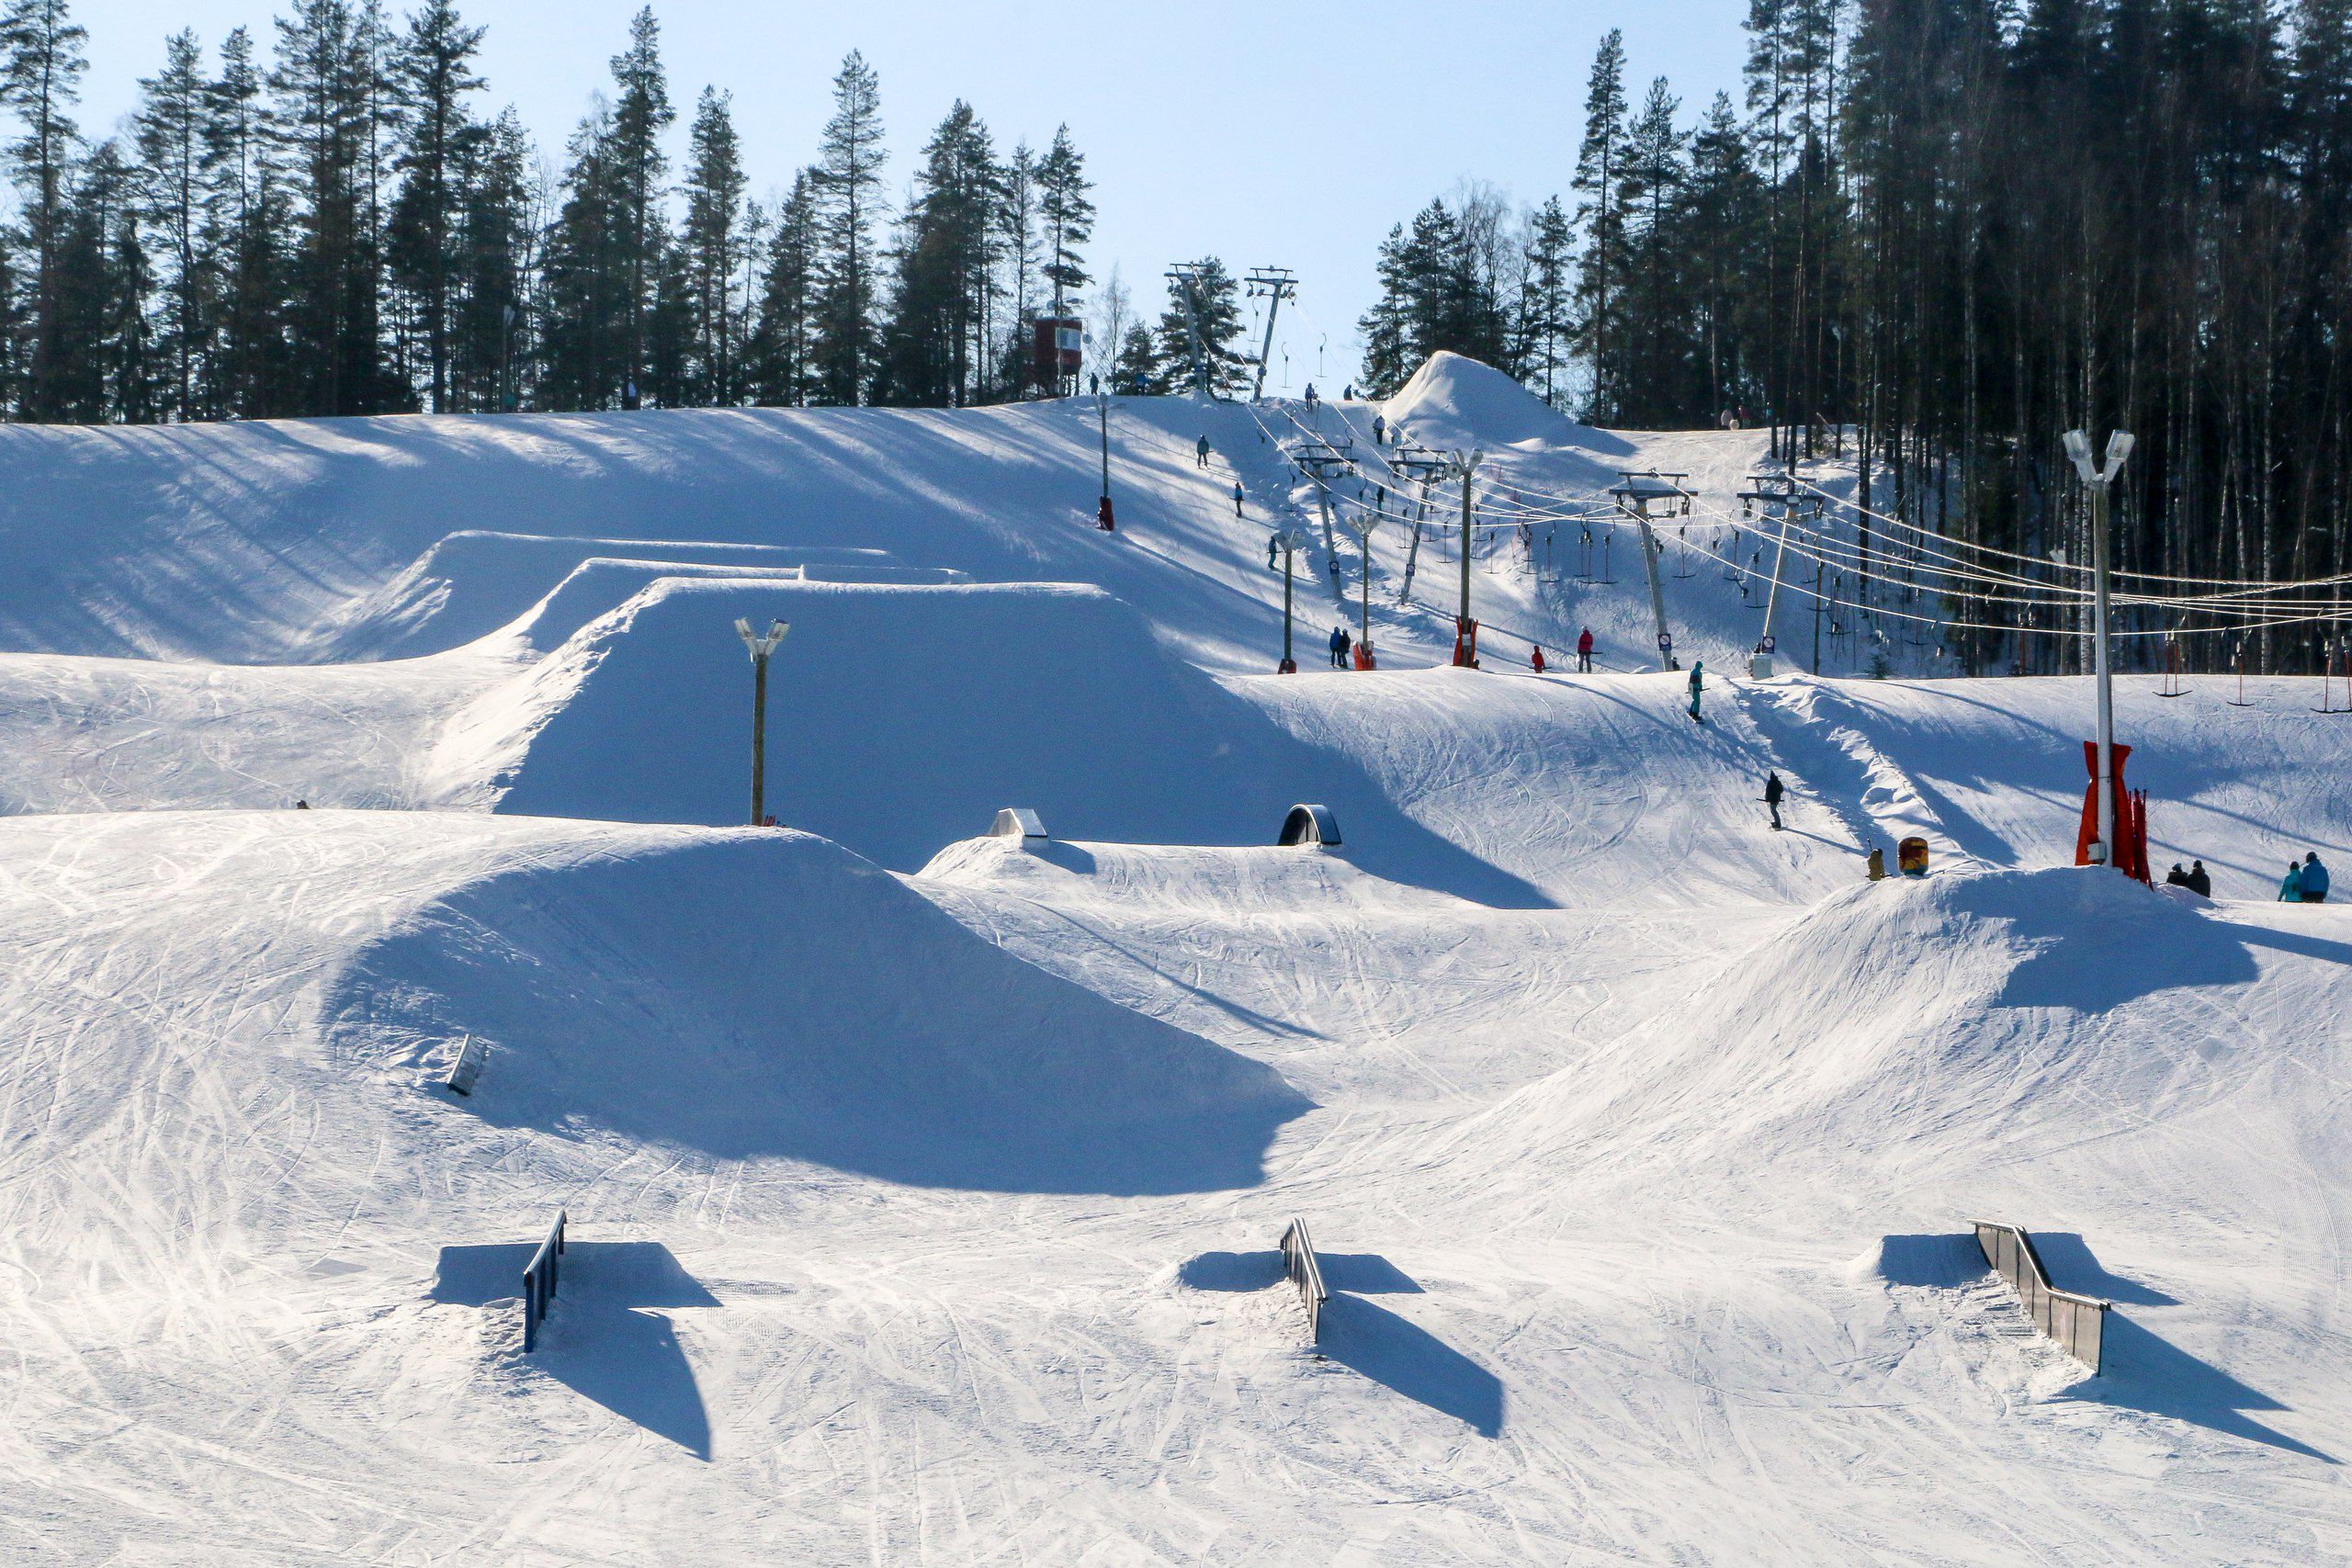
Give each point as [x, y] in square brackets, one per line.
[539, 1282]
[2078, 1324]
[1298, 1262]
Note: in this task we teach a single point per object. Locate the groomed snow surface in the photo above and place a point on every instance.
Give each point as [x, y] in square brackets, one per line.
[924, 1185]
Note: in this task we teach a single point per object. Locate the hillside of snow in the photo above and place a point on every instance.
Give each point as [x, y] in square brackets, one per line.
[923, 1186]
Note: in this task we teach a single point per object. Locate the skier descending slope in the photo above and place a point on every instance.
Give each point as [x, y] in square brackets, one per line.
[1697, 667]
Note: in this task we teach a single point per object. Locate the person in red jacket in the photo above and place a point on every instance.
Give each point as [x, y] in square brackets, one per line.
[1584, 652]
[1538, 659]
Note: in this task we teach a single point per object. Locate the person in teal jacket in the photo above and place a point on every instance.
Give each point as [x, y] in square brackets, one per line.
[2291, 891]
[2314, 879]
[1697, 667]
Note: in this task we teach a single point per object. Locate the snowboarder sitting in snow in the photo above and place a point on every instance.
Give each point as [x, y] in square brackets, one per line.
[1201, 448]
[1584, 651]
[2198, 881]
[2314, 879]
[1698, 668]
[2176, 877]
[2291, 891]
[1339, 643]
[1773, 790]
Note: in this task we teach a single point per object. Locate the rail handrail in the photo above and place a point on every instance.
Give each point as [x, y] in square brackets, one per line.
[2076, 1322]
[539, 1278]
[1298, 1262]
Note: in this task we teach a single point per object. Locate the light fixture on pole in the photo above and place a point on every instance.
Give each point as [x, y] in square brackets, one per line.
[2099, 478]
[761, 644]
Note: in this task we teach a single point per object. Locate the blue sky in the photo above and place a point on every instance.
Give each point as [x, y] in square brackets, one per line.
[1289, 134]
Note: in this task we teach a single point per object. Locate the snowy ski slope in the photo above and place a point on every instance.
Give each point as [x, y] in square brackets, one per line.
[924, 1187]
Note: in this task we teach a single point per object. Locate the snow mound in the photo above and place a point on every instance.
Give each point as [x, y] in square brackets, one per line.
[1455, 402]
[1909, 1022]
[748, 995]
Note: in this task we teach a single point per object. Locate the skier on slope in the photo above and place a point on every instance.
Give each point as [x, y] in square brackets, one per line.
[1273, 547]
[1537, 661]
[2314, 879]
[1379, 431]
[2290, 890]
[1236, 498]
[1584, 651]
[1698, 667]
[1202, 448]
[1773, 790]
[1339, 643]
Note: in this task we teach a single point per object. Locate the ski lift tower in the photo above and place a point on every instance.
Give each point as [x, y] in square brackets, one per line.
[1277, 284]
[1188, 276]
[1321, 460]
[1636, 498]
[1782, 503]
[1420, 464]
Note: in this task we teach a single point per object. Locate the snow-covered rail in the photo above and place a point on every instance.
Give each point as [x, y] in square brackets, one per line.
[2077, 1322]
[539, 1283]
[1298, 1262]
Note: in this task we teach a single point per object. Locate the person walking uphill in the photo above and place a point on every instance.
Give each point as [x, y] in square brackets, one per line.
[1773, 790]
[2314, 879]
[1340, 641]
[1202, 451]
[1698, 668]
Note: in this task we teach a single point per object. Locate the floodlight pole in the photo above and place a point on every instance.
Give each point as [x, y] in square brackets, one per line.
[760, 644]
[2099, 479]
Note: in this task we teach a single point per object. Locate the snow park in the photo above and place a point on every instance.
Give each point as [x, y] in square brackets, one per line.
[1674, 910]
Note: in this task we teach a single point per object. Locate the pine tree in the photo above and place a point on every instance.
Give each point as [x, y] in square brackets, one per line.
[434, 75]
[1545, 319]
[1138, 365]
[714, 244]
[587, 288]
[1651, 189]
[1600, 168]
[847, 184]
[496, 229]
[326, 112]
[41, 64]
[170, 127]
[250, 376]
[937, 343]
[1387, 327]
[1069, 217]
[783, 343]
[641, 112]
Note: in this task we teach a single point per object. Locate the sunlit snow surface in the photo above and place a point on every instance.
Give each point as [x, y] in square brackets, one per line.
[923, 1187]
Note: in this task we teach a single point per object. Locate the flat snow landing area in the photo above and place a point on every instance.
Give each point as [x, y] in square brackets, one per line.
[925, 1187]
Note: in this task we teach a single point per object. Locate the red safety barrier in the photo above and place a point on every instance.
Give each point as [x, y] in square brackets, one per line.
[2128, 855]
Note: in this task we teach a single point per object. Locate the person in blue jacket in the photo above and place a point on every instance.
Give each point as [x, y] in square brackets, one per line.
[2291, 891]
[2314, 879]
